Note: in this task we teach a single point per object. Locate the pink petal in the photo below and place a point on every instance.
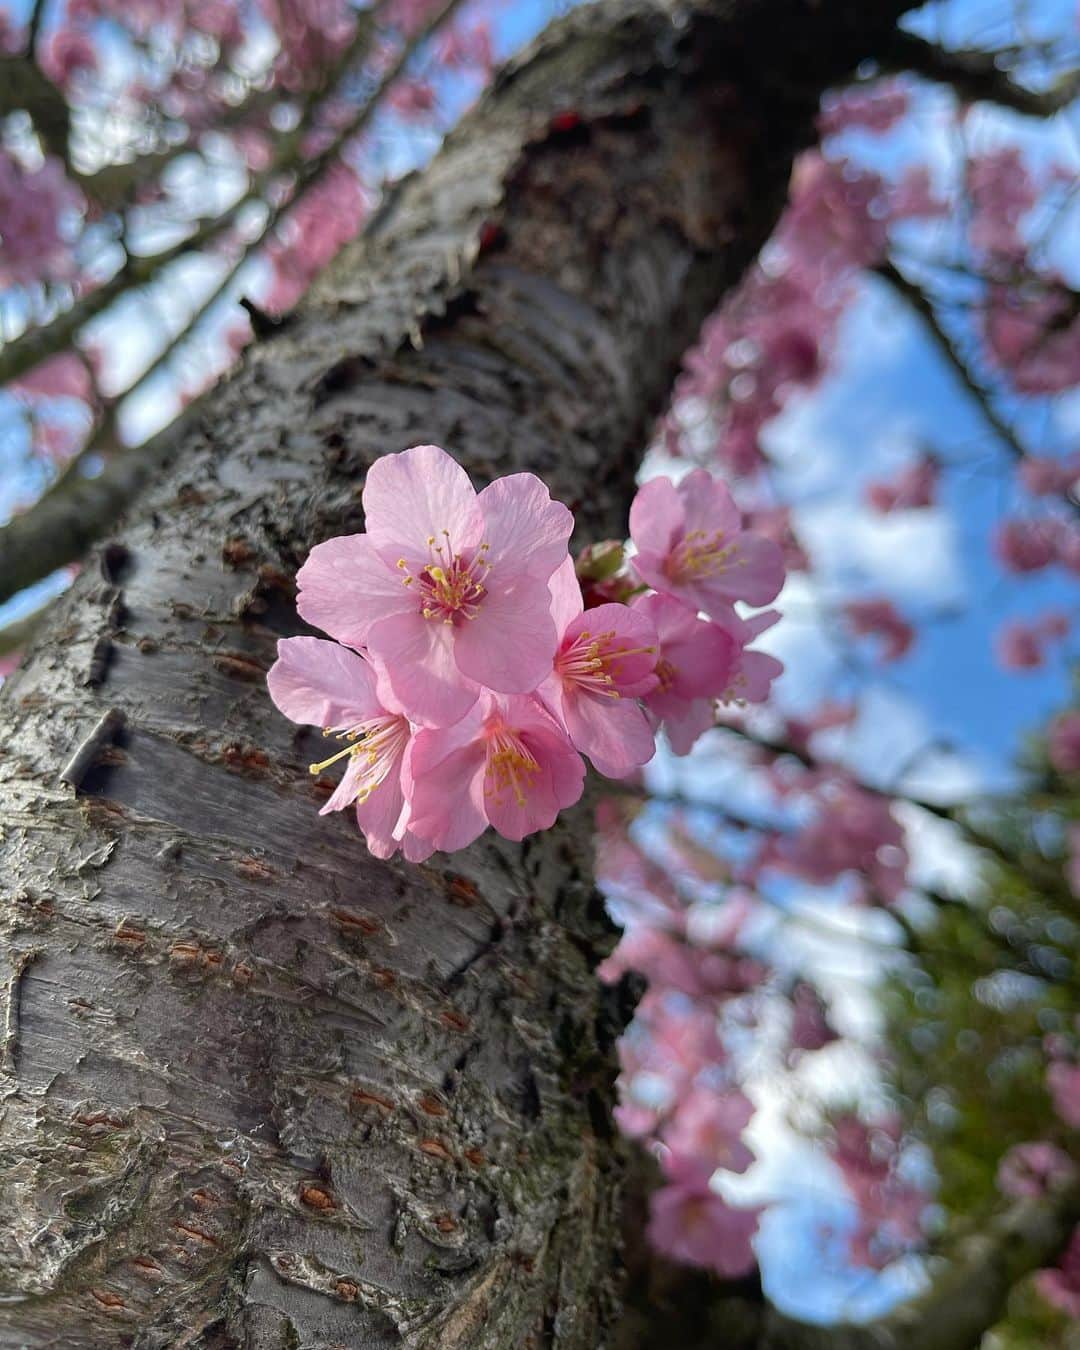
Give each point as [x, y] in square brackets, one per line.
[614, 733]
[510, 644]
[414, 661]
[345, 793]
[708, 504]
[633, 633]
[446, 771]
[527, 531]
[566, 601]
[415, 495]
[687, 722]
[378, 816]
[558, 784]
[657, 515]
[345, 587]
[758, 671]
[755, 574]
[322, 684]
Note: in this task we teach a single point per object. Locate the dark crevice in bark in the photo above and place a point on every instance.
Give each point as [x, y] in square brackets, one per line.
[262, 1090]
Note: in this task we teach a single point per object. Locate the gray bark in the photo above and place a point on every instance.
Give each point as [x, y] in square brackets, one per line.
[259, 1089]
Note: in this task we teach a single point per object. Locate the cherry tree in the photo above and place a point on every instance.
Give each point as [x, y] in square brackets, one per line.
[330, 1039]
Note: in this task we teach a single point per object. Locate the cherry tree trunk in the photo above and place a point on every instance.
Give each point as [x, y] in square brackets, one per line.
[258, 1088]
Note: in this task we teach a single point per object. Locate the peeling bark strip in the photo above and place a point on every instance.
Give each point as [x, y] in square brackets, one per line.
[270, 1092]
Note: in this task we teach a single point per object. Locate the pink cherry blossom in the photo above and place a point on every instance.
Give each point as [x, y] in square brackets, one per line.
[1063, 1084]
[775, 523]
[1063, 742]
[447, 589]
[35, 207]
[323, 684]
[323, 219]
[852, 831]
[890, 1208]
[1002, 193]
[1045, 476]
[706, 1132]
[699, 662]
[691, 544]
[810, 1027]
[1030, 1170]
[752, 672]
[1060, 1285]
[604, 662]
[65, 53]
[506, 763]
[669, 962]
[875, 107]
[878, 617]
[1023, 645]
[692, 1224]
[1026, 545]
[914, 487]
[1032, 332]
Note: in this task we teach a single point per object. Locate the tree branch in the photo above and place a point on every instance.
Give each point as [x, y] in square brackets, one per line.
[672, 1305]
[921, 304]
[970, 1294]
[76, 510]
[37, 344]
[976, 76]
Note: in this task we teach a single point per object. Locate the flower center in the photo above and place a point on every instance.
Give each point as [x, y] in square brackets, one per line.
[450, 586]
[665, 672]
[591, 662]
[510, 766]
[379, 743]
[698, 555]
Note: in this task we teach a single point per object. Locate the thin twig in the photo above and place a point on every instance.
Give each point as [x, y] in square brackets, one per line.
[102, 734]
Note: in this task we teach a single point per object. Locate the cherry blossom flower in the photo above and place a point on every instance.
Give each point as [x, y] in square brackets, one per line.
[752, 672]
[810, 1027]
[323, 684]
[852, 831]
[1025, 545]
[914, 487]
[65, 53]
[1060, 1285]
[1045, 476]
[604, 662]
[875, 108]
[690, 544]
[706, 1131]
[890, 1208]
[696, 664]
[1002, 193]
[507, 763]
[34, 208]
[1063, 1084]
[1030, 1170]
[694, 1225]
[1063, 742]
[878, 617]
[1033, 333]
[447, 589]
[1022, 645]
[668, 962]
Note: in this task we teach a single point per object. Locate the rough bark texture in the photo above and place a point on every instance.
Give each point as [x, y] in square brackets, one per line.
[260, 1090]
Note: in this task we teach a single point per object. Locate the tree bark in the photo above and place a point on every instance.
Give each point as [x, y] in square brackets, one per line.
[259, 1089]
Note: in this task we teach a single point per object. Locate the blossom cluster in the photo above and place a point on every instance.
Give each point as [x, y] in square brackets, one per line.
[468, 678]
